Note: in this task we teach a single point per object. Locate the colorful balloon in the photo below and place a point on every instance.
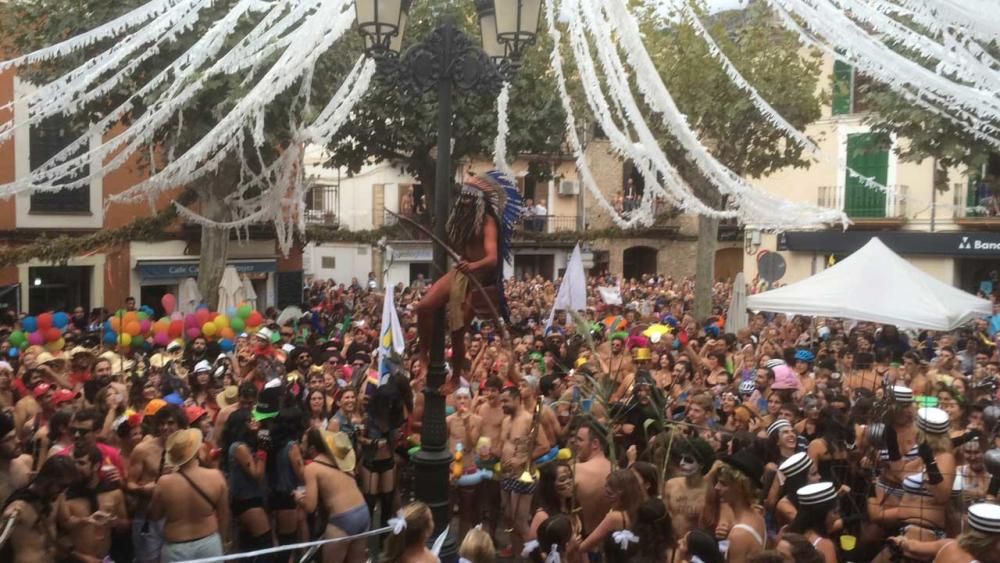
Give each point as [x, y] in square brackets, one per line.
[17, 338]
[161, 338]
[138, 342]
[133, 328]
[36, 338]
[209, 329]
[176, 328]
[226, 333]
[116, 324]
[230, 311]
[169, 302]
[45, 321]
[143, 315]
[203, 316]
[51, 334]
[221, 321]
[125, 339]
[130, 317]
[191, 321]
[237, 324]
[177, 316]
[29, 324]
[53, 347]
[227, 345]
[255, 319]
[60, 320]
[244, 311]
[110, 337]
[13, 352]
[193, 333]
[145, 325]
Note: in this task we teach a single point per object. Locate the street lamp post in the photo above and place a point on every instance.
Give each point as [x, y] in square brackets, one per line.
[445, 61]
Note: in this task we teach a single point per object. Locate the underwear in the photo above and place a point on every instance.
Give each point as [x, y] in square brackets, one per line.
[353, 521]
[938, 532]
[241, 505]
[379, 465]
[890, 490]
[147, 537]
[281, 501]
[208, 546]
[517, 486]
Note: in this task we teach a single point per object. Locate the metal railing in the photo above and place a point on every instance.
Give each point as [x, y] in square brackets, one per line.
[322, 206]
[550, 223]
[863, 202]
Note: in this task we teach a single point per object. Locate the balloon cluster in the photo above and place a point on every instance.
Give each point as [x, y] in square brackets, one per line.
[140, 329]
[44, 330]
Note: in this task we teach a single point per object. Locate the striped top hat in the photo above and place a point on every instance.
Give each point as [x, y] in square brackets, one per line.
[985, 517]
[933, 420]
[774, 362]
[777, 425]
[816, 493]
[902, 394]
[795, 464]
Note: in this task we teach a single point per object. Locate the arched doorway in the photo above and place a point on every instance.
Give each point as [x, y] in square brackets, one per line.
[638, 260]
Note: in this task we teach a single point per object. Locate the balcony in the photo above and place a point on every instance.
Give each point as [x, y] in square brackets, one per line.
[976, 206]
[868, 208]
[537, 224]
[322, 205]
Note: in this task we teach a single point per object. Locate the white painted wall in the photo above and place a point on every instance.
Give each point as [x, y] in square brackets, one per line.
[352, 260]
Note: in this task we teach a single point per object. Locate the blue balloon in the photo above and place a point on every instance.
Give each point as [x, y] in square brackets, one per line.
[202, 306]
[13, 352]
[29, 324]
[60, 320]
[230, 312]
[227, 345]
[110, 337]
[107, 326]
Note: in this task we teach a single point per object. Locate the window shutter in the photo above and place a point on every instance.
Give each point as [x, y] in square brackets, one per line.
[843, 88]
[867, 155]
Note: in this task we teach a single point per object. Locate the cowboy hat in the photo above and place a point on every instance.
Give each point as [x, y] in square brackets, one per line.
[228, 396]
[182, 446]
[342, 450]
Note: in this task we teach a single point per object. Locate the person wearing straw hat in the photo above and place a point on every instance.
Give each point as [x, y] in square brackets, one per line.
[922, 513]
[816, 518]
[979, 543]
[193, 501]
[328, 481]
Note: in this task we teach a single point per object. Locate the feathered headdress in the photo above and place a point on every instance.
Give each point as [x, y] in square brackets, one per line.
[493, 193]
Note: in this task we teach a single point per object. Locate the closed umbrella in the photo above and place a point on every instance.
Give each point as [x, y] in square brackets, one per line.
[736, 318]
[230, 289]
[249, 295]
[188, 296]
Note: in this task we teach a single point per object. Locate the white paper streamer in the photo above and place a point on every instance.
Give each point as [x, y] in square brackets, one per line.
[500, 145]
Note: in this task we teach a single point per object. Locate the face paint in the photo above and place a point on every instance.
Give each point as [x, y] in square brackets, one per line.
[689, 467]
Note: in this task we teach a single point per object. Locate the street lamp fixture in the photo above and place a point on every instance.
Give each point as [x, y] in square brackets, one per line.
[445, 62]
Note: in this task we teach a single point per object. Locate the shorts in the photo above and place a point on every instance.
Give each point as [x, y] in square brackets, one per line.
[208, 546]
[281, 501]
[518, 487]
[379, 465]
[241, 505]
[147, 539]
[353, 521]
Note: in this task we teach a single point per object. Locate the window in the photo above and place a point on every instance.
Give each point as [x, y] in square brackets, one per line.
[329, 262]
[47, 139]
[868, 155]
[843, 88]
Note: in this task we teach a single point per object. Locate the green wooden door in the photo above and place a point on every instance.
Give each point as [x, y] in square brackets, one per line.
[866, 155]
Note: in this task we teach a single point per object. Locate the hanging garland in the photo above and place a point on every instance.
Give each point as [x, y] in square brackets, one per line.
[61, 249]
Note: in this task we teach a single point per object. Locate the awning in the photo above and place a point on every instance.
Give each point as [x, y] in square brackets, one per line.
[179, 269]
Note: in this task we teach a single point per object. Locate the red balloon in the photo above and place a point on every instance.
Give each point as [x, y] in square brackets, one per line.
[203, 316]
[45, 321]
[52, 334]
[255, 319]
[176, 328]
[169, 302]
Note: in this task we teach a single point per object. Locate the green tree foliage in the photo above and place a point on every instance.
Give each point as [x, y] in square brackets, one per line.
[723, 116]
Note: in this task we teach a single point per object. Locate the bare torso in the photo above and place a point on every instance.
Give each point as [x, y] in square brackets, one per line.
[591, 477]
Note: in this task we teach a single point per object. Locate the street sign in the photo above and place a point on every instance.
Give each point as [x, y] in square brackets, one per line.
[771, 267]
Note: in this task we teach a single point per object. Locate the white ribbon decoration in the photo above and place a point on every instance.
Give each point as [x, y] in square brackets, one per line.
[623, 538]
[529, 546]
[553, 556]
[503, 129]
[397, 523]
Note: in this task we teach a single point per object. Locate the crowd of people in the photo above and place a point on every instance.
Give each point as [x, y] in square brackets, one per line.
[590, 439]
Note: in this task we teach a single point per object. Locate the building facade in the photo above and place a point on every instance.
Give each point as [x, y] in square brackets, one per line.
[947, 228]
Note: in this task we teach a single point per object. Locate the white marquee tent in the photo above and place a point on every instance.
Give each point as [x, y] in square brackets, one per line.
[875, 284]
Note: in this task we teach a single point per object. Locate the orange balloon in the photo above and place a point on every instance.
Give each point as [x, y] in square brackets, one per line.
[133, 328]
[227, 333]
[116, 324]
[131, 316]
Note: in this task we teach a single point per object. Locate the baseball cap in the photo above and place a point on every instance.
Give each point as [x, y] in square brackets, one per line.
[153, 407]
[40, 390]
[63, 396]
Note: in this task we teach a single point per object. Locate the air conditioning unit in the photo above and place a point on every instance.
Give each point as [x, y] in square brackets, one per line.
[569, 187]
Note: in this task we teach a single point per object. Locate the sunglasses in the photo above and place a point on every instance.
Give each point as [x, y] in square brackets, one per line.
[77, 431]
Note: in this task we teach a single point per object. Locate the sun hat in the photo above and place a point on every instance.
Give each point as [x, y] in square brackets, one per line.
[158, 361]
[933, 420]
[816, 493]
[182, 446]
[795, 464]
[194, 412]
[154, 407]
[985, 517]
[267, 403]
[202, 366]
[264, 334]
[174, 346]
[63, 396]
[342, 450]
[228, 396]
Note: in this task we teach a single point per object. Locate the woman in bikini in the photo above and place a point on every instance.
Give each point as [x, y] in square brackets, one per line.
[625, 494]
[817, 517]
[979, 543]
[736, 482]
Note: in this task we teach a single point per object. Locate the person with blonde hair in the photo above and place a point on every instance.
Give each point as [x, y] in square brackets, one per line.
[477, 547]
[412, 529]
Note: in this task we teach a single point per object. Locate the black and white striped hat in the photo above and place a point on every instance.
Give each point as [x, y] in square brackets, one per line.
[747, 388]
[816, 493]
[795, 464]
[933, 420]
[777, 425]
[773, 363]
[985, 517]
[902, 394]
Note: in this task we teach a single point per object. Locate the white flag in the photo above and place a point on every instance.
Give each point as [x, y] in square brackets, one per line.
[572, 295]
[391, 336]
[611, 295]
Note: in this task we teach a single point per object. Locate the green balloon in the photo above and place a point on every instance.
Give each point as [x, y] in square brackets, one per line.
[143, 315]
[17, 338]
[244, 311]
[237, 324]
[138, 342]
